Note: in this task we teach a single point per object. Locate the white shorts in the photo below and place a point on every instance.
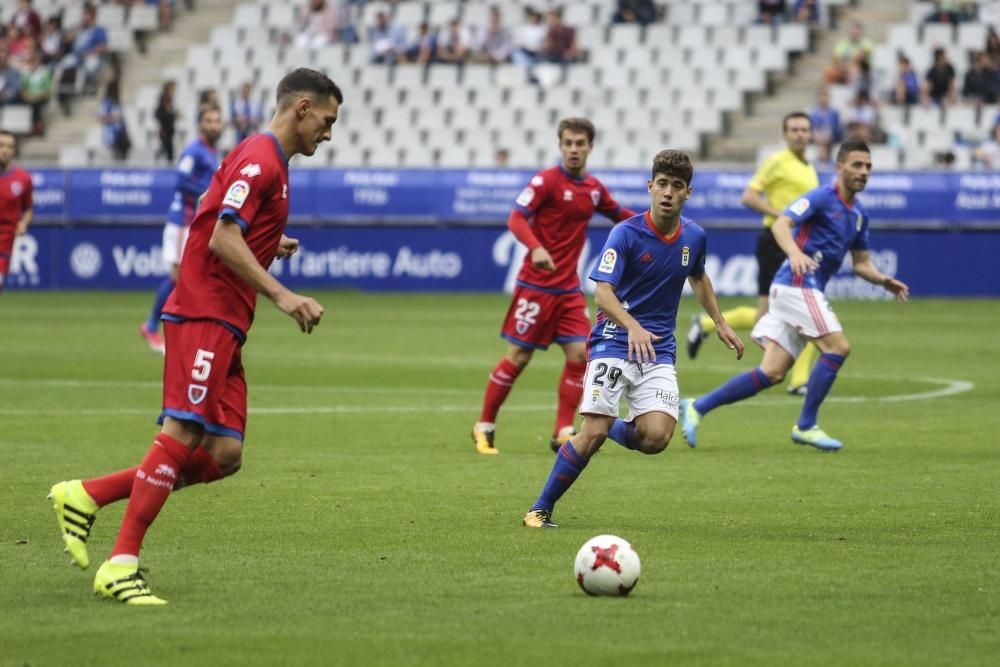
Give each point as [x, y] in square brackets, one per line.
[174, 238]
[646, 388]
[794, 315]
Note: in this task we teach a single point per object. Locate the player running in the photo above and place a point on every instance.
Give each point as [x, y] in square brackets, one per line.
[237, 232]
[550, 218]
[16, 207]
[194, 174]
[827, 221]
[781, 179]
[631, 348]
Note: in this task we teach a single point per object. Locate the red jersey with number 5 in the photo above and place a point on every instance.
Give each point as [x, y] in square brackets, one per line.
[15, 199]
[559, 205]
[251, 189]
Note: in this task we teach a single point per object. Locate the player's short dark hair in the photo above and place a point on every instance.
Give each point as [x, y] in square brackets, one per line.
[4, 132]
[577, 125]
[849, 147]
[308, 81]
[794, 114]
[206, 109]
[673, 163]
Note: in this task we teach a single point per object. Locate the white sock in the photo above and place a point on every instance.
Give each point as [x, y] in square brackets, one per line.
[485, 426]
[125, 559]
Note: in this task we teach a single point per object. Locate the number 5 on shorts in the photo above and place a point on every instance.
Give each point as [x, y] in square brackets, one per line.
[202, 365]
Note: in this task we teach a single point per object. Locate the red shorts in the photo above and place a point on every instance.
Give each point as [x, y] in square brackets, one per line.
[537, 319]
[203, 377]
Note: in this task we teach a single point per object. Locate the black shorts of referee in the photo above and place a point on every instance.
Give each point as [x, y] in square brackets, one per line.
[769, 258]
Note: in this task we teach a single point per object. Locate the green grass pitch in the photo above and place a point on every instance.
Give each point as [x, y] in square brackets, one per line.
[363, 530]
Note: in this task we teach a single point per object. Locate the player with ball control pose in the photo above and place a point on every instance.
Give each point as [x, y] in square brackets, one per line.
[631, 348]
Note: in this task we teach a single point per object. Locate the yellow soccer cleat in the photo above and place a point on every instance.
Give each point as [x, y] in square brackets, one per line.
[484, 442]
[124, 583]
[539, 519]
[75, 512]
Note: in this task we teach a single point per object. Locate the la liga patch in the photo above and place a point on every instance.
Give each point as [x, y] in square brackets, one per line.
[237, 194]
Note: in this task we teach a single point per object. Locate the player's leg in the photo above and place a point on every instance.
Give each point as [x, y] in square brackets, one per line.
[652, 397]
[571, 334]
[781, 343]
[571, 459]
[171, 249]
[799, 379]
[501, 381]
[834, 348]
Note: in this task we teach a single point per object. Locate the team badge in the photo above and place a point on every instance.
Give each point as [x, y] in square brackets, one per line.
[16, 188]
[522, 327]
[608, 261]
[685, 255]
[567, 195]
[526, 196]
[594, 396]
[799, 206]
[236, 195]
[251, 170]
[595, 196]
[197, 393]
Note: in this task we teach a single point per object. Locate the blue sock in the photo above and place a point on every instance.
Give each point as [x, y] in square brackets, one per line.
[820, 381]
[735, 389]
[565, 470]
[623, 433]
[162, 292]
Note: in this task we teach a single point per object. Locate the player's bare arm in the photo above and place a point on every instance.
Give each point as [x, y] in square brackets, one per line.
[228, 245]
[799, 261]
[705, 293]
[25, 221]
[640, 341]
[754, 201]
[865, 268]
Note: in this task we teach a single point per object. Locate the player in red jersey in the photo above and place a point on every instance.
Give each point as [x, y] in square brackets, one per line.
[237, 232]
[15, 202]
[550, 218]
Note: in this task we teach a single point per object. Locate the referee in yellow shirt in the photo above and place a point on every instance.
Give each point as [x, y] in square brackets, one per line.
[780, 180]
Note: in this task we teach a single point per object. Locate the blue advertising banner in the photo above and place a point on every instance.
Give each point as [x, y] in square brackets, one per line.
[415, 196]
[421, 258]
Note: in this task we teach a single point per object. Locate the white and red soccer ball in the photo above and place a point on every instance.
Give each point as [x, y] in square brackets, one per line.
[607, 565]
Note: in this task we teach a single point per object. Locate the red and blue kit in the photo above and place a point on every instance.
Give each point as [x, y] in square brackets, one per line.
[15, 199]
[553, 212]
[210, 311]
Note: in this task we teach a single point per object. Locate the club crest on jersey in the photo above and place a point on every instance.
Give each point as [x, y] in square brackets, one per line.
[567, 195]
[595, 196]
[595, 395]
[522, 327]
[236, 195]
[197, 393]
[608, 261]
[251, 170]
[685, 255]
[16, 188]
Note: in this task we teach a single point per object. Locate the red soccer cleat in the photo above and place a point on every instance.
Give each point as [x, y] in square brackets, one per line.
[153, 339]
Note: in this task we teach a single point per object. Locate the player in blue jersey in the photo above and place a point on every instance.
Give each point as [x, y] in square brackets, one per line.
[194, 174]
[631, 348]
[816, 231]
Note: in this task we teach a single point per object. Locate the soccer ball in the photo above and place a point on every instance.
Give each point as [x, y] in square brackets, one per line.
[607, 565]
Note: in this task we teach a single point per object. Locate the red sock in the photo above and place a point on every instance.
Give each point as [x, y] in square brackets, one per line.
[201, 468]
[501, 380]
[116, 486]
[570, 393]
[153, 482]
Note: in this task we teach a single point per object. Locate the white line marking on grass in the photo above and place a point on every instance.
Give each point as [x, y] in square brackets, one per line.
[291, 410]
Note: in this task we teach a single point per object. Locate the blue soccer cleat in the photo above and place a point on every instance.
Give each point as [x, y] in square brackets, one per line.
[815, 437]
[690, 418]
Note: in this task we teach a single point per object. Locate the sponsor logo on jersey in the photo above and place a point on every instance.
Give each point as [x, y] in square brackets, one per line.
[251, 170]
[197, 393]
[608, 261]
[595, 196]
[567, 195]
[237, 194]
[526, 195]
[799, 206]
[16, 188]
[685, 255]
[647, 257]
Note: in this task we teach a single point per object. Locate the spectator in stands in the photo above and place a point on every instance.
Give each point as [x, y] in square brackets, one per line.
[982, 82]
[863, 112]
[27, 19]
[825, 123]
[112, 116]
[806, 11]
[90, 47]
[166, 118]
[53, 42]
[635, 11]
[36, 90]
[496, 44]
[501, 158]
[945, 11]
[388, 40]
[20, 46]
[907, 88]
[422, 49]
[247, 113]
[319, 25]
[10, 79]
[560, 40]
[993, 47]
[453, 45]
[771, 12]
[529, 39]
[863, 77]
[845, 53]
[940, 80]
[166, 13]
[857, 131]
[988, 153]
